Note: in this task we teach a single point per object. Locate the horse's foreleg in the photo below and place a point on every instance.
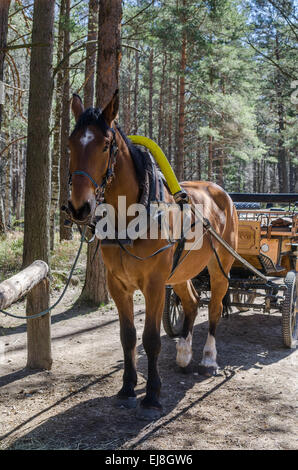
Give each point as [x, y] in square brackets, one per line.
[150, 407]
[219, 286]
[124, 302]
[189, 301]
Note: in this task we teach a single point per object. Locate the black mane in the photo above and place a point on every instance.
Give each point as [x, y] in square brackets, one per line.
[91, 117]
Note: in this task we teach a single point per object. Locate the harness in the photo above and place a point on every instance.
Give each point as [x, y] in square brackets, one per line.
[181, 199]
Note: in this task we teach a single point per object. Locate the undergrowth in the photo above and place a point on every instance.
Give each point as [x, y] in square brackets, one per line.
[61, 258]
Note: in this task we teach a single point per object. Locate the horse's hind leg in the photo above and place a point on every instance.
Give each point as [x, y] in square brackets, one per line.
[189, 300]
[219, 286]
[124, 302]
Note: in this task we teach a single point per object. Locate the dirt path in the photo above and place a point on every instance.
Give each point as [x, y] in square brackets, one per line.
[251, 405]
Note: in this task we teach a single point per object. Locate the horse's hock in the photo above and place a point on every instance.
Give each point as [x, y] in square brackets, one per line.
[33, 282]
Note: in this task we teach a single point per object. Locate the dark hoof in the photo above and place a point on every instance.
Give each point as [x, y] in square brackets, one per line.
[208, 371]
[186, 370]
[148, 414]
[126, 402]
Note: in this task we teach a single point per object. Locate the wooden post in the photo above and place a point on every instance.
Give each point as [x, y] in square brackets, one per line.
[39, 353]
[34, 282]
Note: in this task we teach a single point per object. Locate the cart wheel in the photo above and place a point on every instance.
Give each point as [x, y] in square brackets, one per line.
[244, 299]
[173, 315]
[289, 321]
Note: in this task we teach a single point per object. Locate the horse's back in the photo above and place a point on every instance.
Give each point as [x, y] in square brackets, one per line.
[216, 204]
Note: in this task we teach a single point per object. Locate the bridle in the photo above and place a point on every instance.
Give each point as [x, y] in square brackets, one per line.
[99, 188]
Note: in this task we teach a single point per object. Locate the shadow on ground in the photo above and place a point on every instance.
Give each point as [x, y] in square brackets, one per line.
[244, 341]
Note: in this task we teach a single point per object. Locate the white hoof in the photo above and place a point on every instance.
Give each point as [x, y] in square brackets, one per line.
[209, 353]
[184, 352]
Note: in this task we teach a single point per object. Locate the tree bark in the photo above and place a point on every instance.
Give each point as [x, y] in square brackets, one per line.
[95, 290]
[20, 182]
[4, 8]
[136, 93]
[210, 156]
[150, 102]
[91, 54]
[56, 154]
[170, 112]
[8, 185]
[161, 102]
[177, 121]
[109, 51]
[65, 232]
[180, 155]
[199, 162]
[282, 158]
[38, 177]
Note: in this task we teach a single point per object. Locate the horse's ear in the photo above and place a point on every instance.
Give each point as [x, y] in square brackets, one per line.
[111, 110]
[77, 106]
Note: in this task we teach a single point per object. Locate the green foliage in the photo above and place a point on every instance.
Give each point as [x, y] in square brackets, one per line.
[11, 252]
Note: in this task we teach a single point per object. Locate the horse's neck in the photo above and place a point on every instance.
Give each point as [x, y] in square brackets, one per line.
[125, 181]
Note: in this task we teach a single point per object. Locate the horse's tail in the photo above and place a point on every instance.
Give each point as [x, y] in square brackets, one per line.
[226, 303]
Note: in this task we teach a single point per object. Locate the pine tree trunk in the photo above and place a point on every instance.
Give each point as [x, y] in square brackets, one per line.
[161, 101]
[20, 183]
[136, 93]
[170, 113]
[180, 159]
[127, 98]
[38, 176]
[108, 62]
[210, 157]
[282, 158]
[91, 54]
[150, 103]
[65, 232]
[4, 8]
[95, 288]
[2, 216]
[199, 163]
[220, 168]
[109, 51]
[8, 187]
[177, 122]
[55, 193]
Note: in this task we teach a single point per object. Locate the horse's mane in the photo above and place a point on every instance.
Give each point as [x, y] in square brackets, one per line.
[91, 117]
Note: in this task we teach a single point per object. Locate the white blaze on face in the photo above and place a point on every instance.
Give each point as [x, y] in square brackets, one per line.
[184, 352]
[87, 137]
[209, 352]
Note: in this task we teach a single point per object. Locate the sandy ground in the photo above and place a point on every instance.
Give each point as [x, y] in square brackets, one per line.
[252, 404]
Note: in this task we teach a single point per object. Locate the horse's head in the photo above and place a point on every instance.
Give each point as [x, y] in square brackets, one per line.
[91, 146]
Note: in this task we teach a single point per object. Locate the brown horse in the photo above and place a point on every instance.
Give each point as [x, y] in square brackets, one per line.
[97, 168]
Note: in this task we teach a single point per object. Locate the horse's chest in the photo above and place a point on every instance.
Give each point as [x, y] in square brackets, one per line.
[121, 267]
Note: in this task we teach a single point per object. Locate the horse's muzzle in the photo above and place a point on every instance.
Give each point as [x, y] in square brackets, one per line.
[81, 215]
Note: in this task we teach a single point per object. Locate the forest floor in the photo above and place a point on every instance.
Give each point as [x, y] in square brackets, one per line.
[252, 404]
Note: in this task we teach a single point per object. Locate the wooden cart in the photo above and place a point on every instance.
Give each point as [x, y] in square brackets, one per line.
[268, 240]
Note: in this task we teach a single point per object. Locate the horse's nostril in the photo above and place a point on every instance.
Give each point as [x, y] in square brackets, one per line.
[81, 213]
